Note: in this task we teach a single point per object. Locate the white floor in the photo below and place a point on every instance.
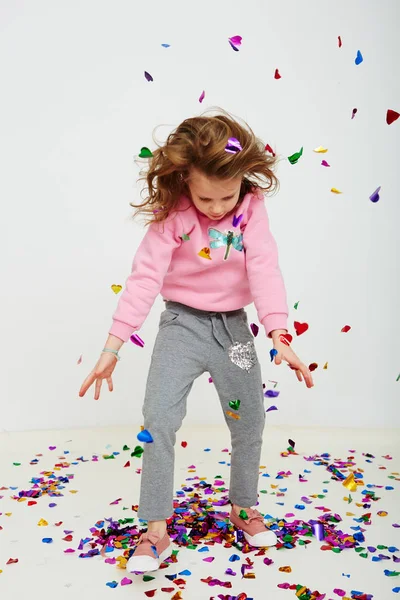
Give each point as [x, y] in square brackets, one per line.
[45, 571]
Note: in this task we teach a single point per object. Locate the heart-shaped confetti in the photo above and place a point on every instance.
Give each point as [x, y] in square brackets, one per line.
[300, 328]
[286, 338]
[116, 288]
[391, 116]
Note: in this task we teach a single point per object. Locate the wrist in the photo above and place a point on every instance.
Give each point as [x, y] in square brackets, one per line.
[277, 332]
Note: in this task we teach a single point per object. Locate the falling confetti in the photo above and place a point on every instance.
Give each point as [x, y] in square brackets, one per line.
[374, 197]
[345, 329]
[391, 116]
[277, 75]
[359, 58]
[116, 288]
[336, 191]
[137, 340]
[295, 157]
[300, 328]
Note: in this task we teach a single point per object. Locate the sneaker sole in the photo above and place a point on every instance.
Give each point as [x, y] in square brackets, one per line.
[144, 562]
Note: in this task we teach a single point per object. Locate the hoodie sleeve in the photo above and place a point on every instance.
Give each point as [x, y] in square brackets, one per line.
[265, 278]
[150, 265]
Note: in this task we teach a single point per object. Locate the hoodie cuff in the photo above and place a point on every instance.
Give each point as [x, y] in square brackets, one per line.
[275, 321]
[123, 331]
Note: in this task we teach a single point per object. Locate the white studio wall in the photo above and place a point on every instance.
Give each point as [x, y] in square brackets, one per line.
[75, 110]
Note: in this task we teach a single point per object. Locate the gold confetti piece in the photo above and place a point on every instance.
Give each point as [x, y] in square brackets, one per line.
[335, 191]
[73, 491]
[9, 515]
[321, 149]
[382, 513]
[350, 514]
[349, 483]
[325, 365]
[301, 591]
[116, 288]
[249, 576]
[231, 414]
[42, 523]
[285, 569]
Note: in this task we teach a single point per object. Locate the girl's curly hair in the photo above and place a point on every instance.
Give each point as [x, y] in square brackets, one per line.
[200, 142]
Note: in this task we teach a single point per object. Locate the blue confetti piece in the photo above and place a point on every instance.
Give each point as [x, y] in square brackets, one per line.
[306, 471]
[299, 506]
[234, 557]
[204, 549]
[185, 572]
[144, 436]
[325, 491]
[358, 475]
[268, 517]
[283, 489]
[359, 58]
[273, 353]
[47, 540]
[389, 487]
[207, 449]
[389, 573]
[376, 559]
[52, 505]
[221, 462]
[393, 549]
[280, 503]
[112, 584]
[345, 575]
[396, 590]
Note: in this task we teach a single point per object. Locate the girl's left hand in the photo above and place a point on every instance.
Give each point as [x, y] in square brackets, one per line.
[286, 353]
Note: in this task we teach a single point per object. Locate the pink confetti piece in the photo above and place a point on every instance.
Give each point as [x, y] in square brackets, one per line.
[69, 551]
[208, 559]
[136, 339]
[339, 592]
[126, 581]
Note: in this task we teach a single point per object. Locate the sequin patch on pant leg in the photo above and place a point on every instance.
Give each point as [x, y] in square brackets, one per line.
[243, 355]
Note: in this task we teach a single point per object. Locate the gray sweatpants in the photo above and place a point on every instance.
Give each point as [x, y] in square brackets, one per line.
[189, 343]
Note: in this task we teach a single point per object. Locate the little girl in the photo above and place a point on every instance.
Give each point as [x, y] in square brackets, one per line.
[213, 255]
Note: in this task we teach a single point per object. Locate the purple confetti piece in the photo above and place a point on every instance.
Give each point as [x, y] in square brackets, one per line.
[149, 78]
[136, 339]
[271, 394]
[325, 164]
[374, 197]
[271, 408]
[236, 220]
[318, 531]
[233, 146]
[254, 328]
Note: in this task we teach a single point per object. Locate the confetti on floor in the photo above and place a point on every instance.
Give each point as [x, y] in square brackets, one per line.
[327, 504]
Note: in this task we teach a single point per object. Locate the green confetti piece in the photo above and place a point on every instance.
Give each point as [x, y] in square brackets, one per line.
[263, 492]
[17, 464]
[336, 550]
[295, 157]
[145, 152]
[380, 547]
[148, 578]
[234, 404]
[398, 377]
[108, 456]
[359, 550]
[243, 514]
[191, 547]
[301, 543]
[126, 447]
[296, 305]
[364, 554]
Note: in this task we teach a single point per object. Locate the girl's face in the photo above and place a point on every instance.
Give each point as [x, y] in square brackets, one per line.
[213, 197]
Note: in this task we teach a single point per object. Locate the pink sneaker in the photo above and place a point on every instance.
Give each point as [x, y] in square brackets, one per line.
[150, 551]
[254, 529]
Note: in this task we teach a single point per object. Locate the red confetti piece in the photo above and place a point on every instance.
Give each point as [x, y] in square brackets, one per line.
[67, 538]
[183, 444]
[128, 464]
[286, 338]
[32, 502]
[391, 116]
[12, 561]
[300, 327]
[313, 366]
[339, 41]
[346, 328]
[277, 74]
[269, 149]
[150, 593]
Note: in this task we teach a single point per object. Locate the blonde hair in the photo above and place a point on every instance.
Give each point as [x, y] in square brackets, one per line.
[200, 142]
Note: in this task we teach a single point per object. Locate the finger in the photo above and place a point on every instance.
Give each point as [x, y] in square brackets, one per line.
[307, 376]
[86, 384]
[278, 359]
[98, 388]
[299, 377]
[110, 383]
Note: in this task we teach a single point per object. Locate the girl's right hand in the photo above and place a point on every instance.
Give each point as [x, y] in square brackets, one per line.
[103, 370]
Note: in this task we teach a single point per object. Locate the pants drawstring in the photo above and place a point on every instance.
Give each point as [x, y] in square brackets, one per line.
[216, 334]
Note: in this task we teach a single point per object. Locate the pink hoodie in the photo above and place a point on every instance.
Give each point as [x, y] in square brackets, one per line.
[181, 258]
